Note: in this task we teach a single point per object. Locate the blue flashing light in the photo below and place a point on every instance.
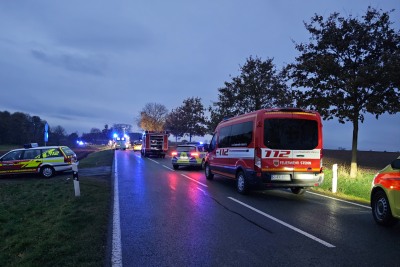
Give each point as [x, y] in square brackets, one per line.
[201, 143]
[115, 135]
[77, 141]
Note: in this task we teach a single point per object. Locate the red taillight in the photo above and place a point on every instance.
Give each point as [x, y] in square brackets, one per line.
[174, 153]
[257, 159]
[194, 154]
[320, 160]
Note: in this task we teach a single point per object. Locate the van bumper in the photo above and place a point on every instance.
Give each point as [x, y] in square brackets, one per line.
[297, 179]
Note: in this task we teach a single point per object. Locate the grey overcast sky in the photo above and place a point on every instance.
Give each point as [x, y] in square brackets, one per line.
[82, 64]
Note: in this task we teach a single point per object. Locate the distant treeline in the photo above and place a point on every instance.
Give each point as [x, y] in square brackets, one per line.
[20, 128]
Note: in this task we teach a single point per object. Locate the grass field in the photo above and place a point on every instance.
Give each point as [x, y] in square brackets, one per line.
[369, 163]
[98, 159]
[42, 223]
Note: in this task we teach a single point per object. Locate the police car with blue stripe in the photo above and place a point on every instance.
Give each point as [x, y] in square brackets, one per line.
[189, 154]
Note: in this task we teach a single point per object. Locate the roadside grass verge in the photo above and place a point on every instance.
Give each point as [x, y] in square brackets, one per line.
[42, 223]
[358, 189]
[98, 159]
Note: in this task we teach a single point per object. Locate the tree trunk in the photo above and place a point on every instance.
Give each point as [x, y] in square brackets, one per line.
[353, 169]
[190, 137]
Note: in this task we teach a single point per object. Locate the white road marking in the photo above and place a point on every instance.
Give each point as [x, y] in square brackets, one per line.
[194, 180]
[154, 161]
[339, 200]
[116, 254]
[200, 189]
[168, 168]
[285, 224]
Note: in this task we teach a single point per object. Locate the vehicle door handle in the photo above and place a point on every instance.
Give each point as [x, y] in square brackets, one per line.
[300, 156]
[38, 161]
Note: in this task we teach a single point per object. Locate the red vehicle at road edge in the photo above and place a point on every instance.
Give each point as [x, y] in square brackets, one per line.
[280, 147]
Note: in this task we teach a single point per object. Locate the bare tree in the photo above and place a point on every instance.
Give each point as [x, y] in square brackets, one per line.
[152, 117]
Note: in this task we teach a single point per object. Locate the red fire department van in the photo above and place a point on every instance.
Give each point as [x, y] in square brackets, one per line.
[280, 147]
[154, 143]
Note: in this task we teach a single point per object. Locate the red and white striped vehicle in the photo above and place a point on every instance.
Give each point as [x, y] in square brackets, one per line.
[279, 147]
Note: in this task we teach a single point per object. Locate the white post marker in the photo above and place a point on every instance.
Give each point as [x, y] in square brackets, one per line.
[76, 180]
[334, 178]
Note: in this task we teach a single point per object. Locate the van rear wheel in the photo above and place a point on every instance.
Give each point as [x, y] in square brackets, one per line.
[241, 183]
[298, 190]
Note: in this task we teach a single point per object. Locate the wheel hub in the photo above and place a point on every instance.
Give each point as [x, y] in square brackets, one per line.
[47, 172]
[240, 182]
[381, 208]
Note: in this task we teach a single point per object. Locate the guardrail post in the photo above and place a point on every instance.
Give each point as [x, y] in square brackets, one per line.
[76, 180]
[334, 178]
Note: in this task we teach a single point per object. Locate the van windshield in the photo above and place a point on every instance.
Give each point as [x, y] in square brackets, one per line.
[291, 134]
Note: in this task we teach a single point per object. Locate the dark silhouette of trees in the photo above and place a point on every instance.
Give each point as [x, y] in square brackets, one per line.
[258, 86]
[174, 124]
[19, 128]
[188, 119]
[56, 134]
[352, 66]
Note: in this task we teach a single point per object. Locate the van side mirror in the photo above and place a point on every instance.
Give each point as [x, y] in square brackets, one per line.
[206, 147]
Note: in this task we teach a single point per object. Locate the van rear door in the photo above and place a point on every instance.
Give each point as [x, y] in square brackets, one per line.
[277, 158]
[306, 144]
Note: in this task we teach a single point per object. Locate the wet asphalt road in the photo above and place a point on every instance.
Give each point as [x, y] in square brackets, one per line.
[178, 218]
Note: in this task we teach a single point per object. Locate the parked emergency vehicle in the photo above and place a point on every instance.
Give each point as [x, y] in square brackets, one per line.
[137, 145]
[279, 147]
[154, 143]
[190, 154]
[33, 159]
[385, 195]
[122, 143]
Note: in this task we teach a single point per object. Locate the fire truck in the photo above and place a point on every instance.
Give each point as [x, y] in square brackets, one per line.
[154, 143]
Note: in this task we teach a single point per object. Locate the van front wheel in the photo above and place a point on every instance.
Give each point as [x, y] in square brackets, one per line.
[209, 175]
[242, 184]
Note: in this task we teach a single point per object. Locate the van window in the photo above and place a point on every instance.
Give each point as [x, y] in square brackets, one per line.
[292, 134]
[213, 143]
[241, 134]
[224, 137]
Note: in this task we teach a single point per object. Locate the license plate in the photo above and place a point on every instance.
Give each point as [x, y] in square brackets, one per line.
[281, 177]
[184, 158]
